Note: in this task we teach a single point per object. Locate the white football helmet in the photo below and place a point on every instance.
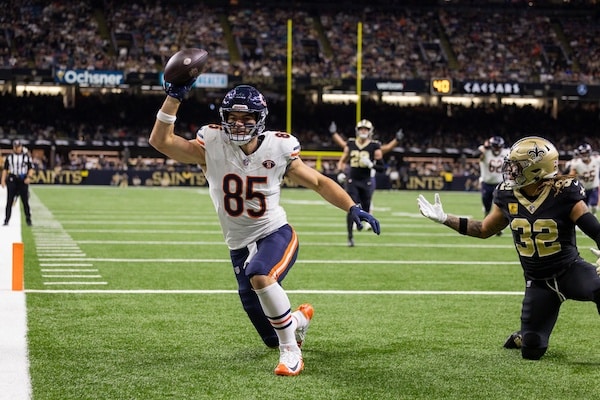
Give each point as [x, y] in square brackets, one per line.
[364, 129]
[530, 160]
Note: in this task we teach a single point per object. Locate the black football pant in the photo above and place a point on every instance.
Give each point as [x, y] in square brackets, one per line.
[361, 191]
[543, 299]
[17, 187]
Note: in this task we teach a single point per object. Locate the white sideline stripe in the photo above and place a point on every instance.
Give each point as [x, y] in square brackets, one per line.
[226, 260]
[75, 283]
[15, 383]
[66, 265]
[331, 292]
[70, 276]
[68, 270]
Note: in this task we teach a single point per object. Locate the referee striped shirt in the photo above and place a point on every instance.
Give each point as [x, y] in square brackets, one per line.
[18, 164]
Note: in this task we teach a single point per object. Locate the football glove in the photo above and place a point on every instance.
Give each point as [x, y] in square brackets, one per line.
[341, 178]
[366, 162]
[358, 215]
[596, 252]
[434, 211]
[400, 134]
[178, 91]
[332, 127]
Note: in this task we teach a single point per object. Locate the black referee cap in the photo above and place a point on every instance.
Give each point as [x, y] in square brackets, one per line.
[16, 143]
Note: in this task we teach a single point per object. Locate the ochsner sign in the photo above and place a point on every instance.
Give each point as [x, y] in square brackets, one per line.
[89, 78]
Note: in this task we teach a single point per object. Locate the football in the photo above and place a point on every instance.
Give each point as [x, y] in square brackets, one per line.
[185, 65]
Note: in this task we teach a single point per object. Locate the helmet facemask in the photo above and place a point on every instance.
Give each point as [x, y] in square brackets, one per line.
[364, 129]
[243, 99]
[585, 152]
[496, 143]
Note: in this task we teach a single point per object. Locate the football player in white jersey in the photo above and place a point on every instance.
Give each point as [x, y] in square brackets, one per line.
[245, 165]
[586, 168]
[491, 158]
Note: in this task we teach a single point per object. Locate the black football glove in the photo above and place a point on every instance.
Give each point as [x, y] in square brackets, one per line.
[178, 91]
[358, 215]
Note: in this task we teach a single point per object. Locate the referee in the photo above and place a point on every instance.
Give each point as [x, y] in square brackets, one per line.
[16, 175]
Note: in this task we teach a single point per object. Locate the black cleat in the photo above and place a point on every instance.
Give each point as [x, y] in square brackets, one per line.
[514, 341]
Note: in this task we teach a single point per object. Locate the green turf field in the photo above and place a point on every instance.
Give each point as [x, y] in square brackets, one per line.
[131, 295]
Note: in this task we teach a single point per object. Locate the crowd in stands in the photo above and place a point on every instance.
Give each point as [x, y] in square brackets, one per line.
[468, 40]
[400, 40]
[429, 130]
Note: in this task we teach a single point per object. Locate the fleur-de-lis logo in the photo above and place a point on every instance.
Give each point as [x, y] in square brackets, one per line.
[536, 153]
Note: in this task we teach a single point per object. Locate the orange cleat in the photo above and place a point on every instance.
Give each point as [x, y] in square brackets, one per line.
[308, 311]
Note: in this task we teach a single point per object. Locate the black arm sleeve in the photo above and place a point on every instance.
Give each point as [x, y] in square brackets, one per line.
[379, 166]
[590, 226]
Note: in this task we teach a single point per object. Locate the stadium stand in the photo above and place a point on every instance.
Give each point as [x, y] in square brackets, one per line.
[401, 40]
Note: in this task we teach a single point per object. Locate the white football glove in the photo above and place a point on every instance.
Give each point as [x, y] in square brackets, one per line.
[341, 178]
[434, 212]
[400, 134]
[332, 127]
[366, 162]
[596, 252]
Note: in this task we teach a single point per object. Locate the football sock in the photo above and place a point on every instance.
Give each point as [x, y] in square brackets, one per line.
[301, 320]
[276, 305]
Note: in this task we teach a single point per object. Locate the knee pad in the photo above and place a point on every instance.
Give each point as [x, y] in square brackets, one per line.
[255, 312]
[531, 349]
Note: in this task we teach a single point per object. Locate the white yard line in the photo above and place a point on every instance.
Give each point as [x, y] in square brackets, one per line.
[332, 292]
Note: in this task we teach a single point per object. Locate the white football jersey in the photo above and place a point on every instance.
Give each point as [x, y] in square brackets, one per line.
[587, 174]
[245, 189]
[490, 166]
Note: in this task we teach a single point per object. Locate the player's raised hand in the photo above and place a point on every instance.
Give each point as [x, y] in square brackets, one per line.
[332, 127]
[400, 134]
[178, 91]
[434, 211]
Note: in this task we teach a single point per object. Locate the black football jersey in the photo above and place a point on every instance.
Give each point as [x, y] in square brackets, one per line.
[356, 153]
[543, 233]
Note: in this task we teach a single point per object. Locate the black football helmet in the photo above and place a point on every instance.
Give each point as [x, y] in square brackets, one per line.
[247, 99]
[584, 151]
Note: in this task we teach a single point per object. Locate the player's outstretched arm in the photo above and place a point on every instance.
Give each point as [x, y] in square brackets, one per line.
[389, 146]
[163, 137]
[335, 136]
[493, 223]
[310, 178]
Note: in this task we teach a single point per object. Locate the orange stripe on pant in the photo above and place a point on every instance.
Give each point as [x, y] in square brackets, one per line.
[288, 255]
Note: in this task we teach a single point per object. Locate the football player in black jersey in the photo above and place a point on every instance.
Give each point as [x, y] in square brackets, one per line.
[542, 210]
[362, 154]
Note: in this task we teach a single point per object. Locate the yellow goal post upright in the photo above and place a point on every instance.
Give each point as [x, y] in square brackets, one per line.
[358, 72]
